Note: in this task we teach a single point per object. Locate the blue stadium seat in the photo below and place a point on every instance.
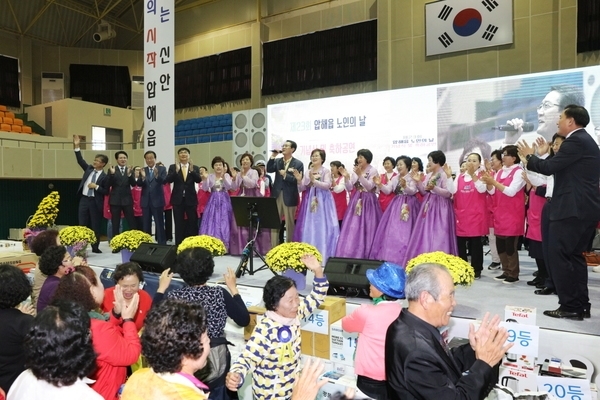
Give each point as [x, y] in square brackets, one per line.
[204, 139]
[224, 122]
[179, 142]
[210, 130]
[201, 124]
[203, 131]
[218, 137]
[228, 136]
[191, 140]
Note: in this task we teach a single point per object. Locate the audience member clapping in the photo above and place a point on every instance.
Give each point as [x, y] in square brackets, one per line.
[116, 342]
[54, 263]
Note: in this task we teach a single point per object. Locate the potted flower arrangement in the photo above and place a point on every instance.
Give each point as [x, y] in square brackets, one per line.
[128, 242]
[76, 239]
[212, 244]
[462, 272]
[44, 218]
[285, 259]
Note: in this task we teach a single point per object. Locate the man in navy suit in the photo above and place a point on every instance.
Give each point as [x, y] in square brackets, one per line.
[92, 191]
[574, 209]
[285, 187]
[120, 180]
[418, 362]
[184, 197]
[151, 180]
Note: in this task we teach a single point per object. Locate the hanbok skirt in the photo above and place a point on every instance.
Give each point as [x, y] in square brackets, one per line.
[434, 229]
[360, 225]
[396, 225]
[317, 222]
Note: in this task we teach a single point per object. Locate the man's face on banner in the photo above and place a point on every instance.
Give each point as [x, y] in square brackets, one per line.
[548, 113]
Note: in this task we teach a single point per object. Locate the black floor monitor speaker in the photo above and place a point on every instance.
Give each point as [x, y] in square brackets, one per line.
[155, 257]
[347, 276]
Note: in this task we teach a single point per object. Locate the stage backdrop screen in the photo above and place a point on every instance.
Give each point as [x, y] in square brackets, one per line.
[456, 118]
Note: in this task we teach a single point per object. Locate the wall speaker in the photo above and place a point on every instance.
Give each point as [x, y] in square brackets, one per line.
[155, 257]
[250, 134]
[347, 276]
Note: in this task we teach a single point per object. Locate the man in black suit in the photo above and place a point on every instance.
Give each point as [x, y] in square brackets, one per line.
[120, 180]
[285, 187]
[184, 197]
[151, 180]
[418, 362]
[574, 209]
[92, 191]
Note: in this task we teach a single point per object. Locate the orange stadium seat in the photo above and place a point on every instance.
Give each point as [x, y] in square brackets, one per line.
[9, 114]
[8, 120]
[1, 114]
[2, 108]
[18, 121]
[26, 129]
[16, 128]
[5, 127]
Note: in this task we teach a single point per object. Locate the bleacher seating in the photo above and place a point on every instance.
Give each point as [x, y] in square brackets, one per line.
[10, 123]
[215, 128]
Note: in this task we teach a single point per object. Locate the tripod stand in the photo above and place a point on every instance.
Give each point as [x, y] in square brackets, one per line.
[250, 212]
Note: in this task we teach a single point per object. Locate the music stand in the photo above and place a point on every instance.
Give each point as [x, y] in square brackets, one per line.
[251, 212]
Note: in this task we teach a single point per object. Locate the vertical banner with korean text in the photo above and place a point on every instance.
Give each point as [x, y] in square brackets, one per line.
[159, 78]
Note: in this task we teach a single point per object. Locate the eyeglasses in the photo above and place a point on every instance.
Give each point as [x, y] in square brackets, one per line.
[546, 105]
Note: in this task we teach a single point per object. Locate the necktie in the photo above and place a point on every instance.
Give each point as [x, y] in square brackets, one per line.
[184, 172]
[122, 171]
[90, 192]
[151, 174]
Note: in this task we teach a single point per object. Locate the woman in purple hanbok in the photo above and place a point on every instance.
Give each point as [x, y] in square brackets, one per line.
[218, 215]
[247, 182]
[317, 222]
[435, 228]
[363, 212]
[396, 225]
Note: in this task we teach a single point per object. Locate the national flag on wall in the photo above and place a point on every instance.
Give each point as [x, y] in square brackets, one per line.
[455, 25]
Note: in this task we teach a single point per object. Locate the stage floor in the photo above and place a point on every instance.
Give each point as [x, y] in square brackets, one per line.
[484, 295]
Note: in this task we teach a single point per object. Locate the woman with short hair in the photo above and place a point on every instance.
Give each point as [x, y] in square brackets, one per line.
[130, 277]
[116, 342]
[59, 354]
[55, 263]
[175, 344]
[14, 323]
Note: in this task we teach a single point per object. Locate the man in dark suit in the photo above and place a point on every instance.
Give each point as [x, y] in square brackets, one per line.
[92, 191]
[285, 187]
[574, 209]
[120, 180]
[151, 180]
[418, 362]
[184, 197]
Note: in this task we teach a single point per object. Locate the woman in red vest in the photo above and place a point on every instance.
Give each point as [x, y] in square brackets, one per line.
[386, 177]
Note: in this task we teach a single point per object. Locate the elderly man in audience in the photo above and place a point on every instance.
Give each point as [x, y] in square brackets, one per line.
[419, 364]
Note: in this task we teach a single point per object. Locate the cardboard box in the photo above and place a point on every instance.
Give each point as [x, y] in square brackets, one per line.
[16, 233]
[21, 259]
[254, 311]
[11, 245]
[317, 344]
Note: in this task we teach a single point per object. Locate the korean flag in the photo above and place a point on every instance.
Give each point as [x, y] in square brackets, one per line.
[455, 25]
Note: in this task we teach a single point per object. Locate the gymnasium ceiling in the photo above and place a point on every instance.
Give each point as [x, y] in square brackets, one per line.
[71, 23]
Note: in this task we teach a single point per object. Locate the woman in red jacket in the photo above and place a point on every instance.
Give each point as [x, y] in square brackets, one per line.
[115, 340]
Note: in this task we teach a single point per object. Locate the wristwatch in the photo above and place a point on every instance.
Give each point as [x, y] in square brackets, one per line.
[528, 156]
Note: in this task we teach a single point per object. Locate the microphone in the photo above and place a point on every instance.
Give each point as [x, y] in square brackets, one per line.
[243, 262]
[527, 127]
[276, 151]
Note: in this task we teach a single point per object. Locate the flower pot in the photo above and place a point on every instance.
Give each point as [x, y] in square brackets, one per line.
[126, 255]
[78, 249]
[298, 277]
